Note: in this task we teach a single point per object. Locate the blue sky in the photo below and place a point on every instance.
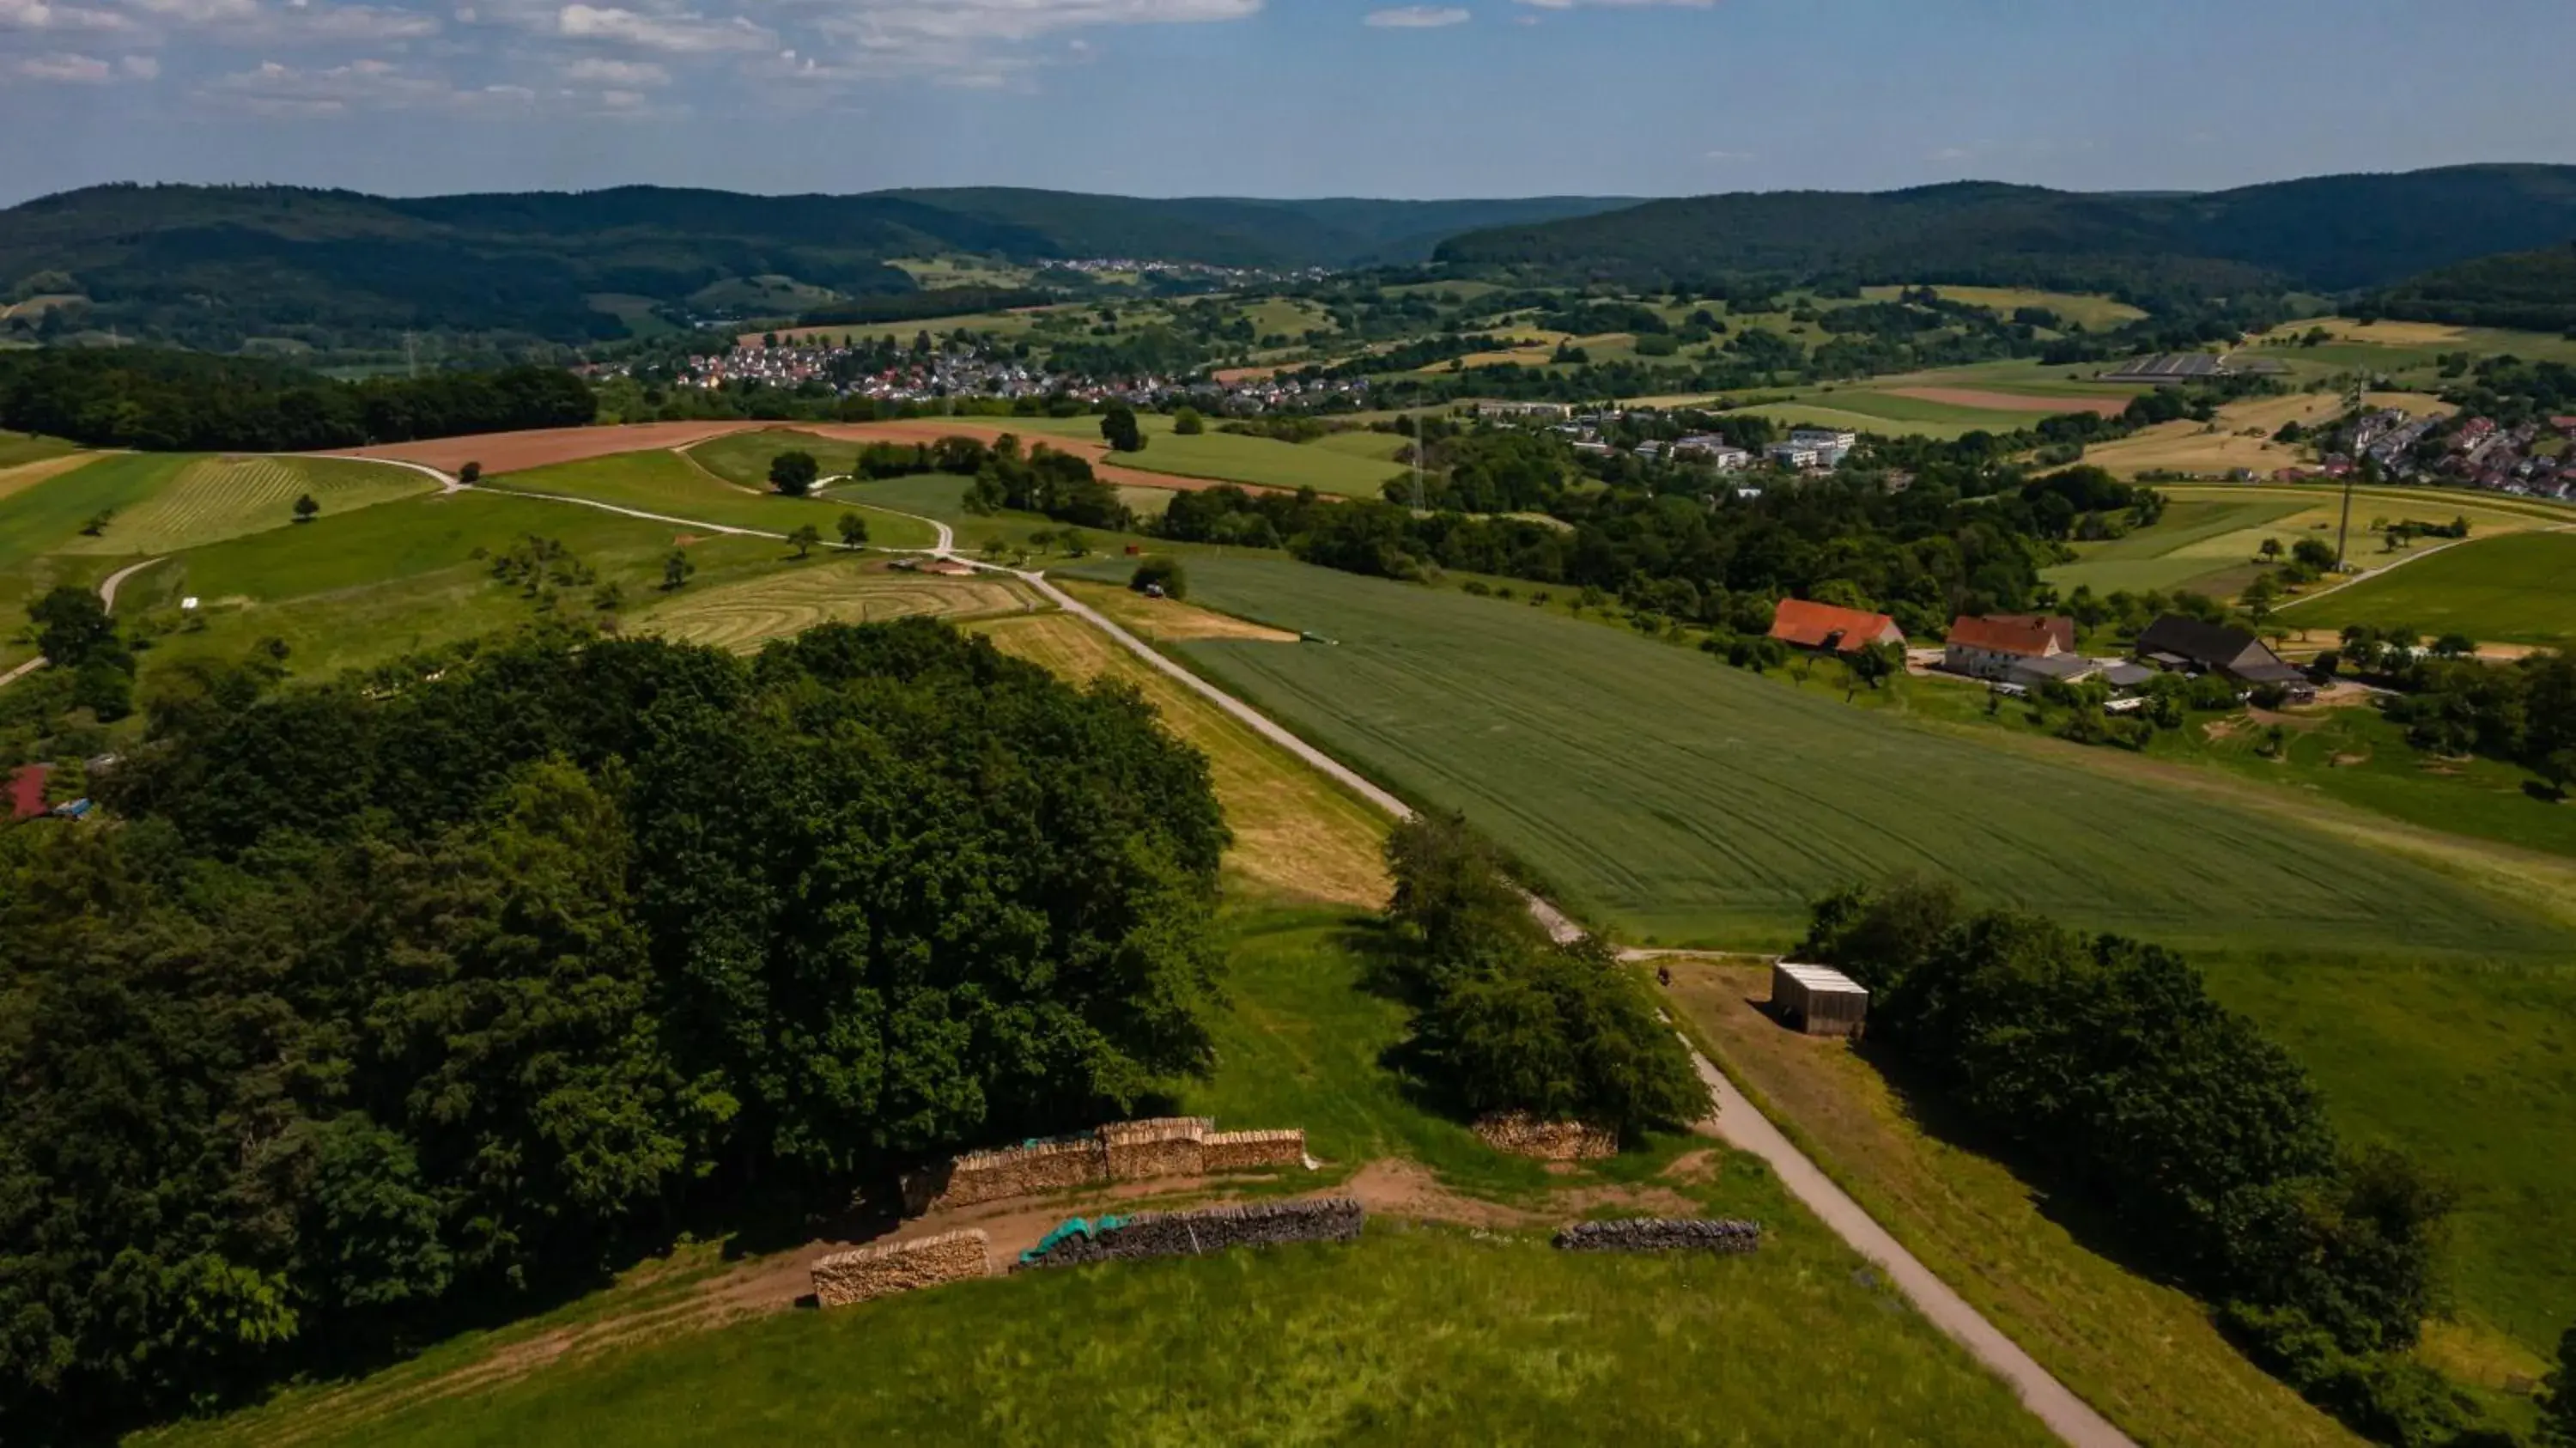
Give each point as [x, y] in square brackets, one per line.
[1272, 97]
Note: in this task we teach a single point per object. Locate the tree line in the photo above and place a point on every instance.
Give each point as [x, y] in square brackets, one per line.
[160, 401]
[1506, 1019]
[380, 1007]
[2103, 1066]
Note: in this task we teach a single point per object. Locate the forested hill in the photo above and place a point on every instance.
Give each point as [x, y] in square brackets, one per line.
[212, 267]
[2529, 289]
[2325, 233]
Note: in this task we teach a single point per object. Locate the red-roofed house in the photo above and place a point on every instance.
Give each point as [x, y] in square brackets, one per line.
[1835, 630]
[27, 791]
[1988, 648]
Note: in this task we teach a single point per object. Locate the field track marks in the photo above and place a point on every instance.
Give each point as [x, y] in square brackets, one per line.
[1739, 1125]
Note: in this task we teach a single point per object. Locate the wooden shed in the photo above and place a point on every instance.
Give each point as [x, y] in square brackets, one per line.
[1818, 1000]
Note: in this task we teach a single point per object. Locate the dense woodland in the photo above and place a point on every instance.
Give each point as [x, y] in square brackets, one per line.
[2532, 290]
[2186, 1139]
[161, 401]
[389, 1006]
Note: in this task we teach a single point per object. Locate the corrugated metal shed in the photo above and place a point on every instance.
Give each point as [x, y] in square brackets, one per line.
[1818, 999]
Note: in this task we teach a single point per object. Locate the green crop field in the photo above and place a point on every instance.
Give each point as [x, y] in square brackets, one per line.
[666, 484]
[211, 499]
[1844, 410]
[2094, 313]
[1682, 800]
[2516, 588]
[1262, 461]
[1380, 446]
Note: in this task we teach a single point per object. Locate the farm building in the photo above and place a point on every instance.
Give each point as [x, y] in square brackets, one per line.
[1989, 647]
[1829, 446]
[2051, 669]
[2174, 642]
[1834, 630]
[1818, 1000]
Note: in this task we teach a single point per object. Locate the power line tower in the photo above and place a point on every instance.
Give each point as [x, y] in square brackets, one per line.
[411, 358]
[2343, 530]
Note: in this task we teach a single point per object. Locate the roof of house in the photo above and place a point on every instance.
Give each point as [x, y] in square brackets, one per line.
[2064, 667]
[1822, 626]
[2210, 645]
[1822, 978]
[2059, 626]
[2127, 676]
[2010, 635]
[27, 791]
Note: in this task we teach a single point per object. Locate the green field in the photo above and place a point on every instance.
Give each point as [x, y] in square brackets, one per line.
[210, 499]
[1421, 1333]
[1682, 800]
[2178, 551]
[2517, 588]
[2094, 313]
[1871, 412]
[363, 587]
[18, 447]
[667, 484]
[1380, 446]
[1262, 461]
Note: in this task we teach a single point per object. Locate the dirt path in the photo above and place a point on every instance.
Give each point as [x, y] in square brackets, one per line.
[107, 599]
[2067, 1415]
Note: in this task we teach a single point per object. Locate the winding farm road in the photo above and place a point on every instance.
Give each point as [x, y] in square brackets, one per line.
[107, 599]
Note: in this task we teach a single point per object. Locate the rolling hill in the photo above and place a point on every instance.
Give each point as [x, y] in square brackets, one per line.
[2533, 290]
[215, 266]
[2325, 233]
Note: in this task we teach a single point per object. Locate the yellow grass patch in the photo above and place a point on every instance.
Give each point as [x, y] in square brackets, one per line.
[2385, 334]
[1295, 832]
[27, 475]
[1167, 620]
[2241, 437]
[743, 616]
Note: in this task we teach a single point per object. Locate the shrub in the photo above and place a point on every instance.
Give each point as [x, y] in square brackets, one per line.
[1165, 573]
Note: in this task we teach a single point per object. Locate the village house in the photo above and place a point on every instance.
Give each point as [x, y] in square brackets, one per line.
[1827, 629]
[2174, 642]
[1990, 647]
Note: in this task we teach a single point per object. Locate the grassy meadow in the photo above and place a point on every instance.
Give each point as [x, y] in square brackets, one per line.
[2094, 313]
[1681, 800]
[1229, 457]
[2517, 588]
[668, 484]
[2147, 1355]
[2211, 535]
[836, 589]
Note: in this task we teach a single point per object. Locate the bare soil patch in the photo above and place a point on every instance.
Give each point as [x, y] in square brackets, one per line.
[517, 452]
[2011, 401]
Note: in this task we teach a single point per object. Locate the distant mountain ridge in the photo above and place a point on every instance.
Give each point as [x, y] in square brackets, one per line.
[2325, 233]
[209, 266]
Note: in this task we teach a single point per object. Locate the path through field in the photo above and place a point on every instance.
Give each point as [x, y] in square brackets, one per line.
[1735, 1121]
[1740, 1126]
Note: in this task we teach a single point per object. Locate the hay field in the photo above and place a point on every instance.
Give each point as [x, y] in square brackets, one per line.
[212, 499]
[673, 486]
[1681, 800]
[743, 616]
[2515, 588]
[2094, 312]
[2241, 437]
[1295, 833]
[16, 478]
[1855, 411]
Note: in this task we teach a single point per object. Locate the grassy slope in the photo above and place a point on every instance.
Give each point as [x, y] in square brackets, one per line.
[1681, 799]
[1214, 454]
[1840, 410]
[2169, 556]
[211, 499]
[827, 588]
[669, 484]
[19, 447]
[2145, 1354]
[2515, 588]
[359, 588]
[38, 520]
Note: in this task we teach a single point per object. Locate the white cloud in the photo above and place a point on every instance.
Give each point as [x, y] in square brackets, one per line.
[675, 34]
[1949, 153]
[39, 15]
[198, 12]
[901, 20]
[141, 67]
[1619, 4]
[1417, 17]
[75, 69]
[627, 74]
[380, 85]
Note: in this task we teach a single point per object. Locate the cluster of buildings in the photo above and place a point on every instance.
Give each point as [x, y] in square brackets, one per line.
[956, 372]
[1806, 449]
[2018, 652]
[2476, 452]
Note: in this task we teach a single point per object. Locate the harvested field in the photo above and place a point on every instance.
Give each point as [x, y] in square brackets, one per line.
[2241, 437]
[1294, 832]
[1167, 620]
[213, 499]
[514, 452]
[2011, 401]
[743, 616]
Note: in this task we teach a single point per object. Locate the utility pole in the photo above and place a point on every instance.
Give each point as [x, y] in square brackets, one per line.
[2343, 530]
[1417, 462]
[411, 359]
